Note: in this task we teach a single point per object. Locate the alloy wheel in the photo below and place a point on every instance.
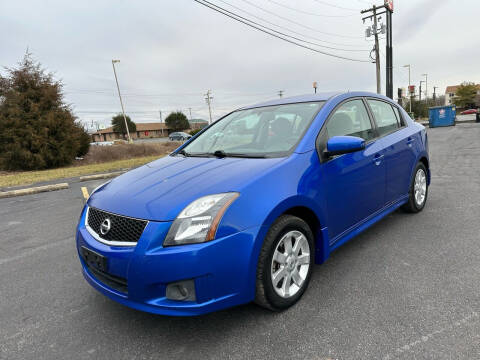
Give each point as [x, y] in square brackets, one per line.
[290, 264]
[420, 187]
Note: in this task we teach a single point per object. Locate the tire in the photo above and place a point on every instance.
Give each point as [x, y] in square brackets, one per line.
[285, 229]
[416, 203]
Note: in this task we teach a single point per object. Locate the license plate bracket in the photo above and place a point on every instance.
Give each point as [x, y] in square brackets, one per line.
[94, 259]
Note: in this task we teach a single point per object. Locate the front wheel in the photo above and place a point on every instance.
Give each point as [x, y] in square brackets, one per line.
[285, 263]
[418, 190]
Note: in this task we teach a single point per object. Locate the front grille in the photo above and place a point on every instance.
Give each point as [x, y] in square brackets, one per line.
[122, 229]
[112, 281]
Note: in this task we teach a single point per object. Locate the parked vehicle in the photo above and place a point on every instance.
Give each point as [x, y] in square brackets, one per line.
[179, 136]
[244, 216]
[468, 112]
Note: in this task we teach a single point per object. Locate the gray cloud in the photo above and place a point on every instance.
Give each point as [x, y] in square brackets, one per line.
[172, 52]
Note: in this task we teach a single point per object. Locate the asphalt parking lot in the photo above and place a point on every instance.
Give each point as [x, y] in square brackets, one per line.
[408, 288]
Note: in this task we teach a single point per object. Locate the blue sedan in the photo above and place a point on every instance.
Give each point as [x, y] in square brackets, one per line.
[243, 210]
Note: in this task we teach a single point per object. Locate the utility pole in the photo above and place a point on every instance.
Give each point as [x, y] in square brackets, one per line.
[374, 31]
[190, 110]
[121, 102]
[208, 99]
[435, 94]
[388, 6]
[420, 91]
[161, 128]
[426, 87]
[280, 93]
[389, 50]
[409, 84]
[377, 50]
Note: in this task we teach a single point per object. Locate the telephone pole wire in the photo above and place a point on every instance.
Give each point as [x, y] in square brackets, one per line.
[208, 99]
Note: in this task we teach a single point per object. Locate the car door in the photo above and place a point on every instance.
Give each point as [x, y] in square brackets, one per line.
[398, 140]
[353, 183]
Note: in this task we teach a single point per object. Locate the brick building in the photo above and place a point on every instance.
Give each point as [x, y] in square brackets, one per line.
[144, 130]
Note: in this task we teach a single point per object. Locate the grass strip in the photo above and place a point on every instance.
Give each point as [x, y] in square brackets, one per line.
[32, 177]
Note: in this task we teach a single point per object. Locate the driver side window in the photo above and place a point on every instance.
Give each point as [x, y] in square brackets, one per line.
[351, 119]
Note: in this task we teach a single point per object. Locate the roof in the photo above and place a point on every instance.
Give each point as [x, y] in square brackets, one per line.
[453, 88]
[323, 96]
[140, 127]
[198, 121]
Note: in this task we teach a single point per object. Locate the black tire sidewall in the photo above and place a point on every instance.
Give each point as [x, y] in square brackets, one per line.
[273, 238]
[412, 188]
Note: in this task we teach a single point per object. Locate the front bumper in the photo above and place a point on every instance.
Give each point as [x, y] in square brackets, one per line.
[223, 270]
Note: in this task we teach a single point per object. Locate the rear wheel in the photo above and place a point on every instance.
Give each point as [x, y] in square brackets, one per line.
[285, 263]
[418, 190]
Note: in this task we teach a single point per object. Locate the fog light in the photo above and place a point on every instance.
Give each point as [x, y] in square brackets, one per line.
[181, 291]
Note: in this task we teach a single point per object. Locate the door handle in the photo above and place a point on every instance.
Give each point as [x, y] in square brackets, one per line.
[377, 159]
[410, 140]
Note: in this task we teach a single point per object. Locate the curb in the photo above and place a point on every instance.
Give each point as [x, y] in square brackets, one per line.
[33, 190]
[101, 176]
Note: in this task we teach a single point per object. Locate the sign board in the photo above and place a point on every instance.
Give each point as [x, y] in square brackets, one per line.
[389, 5]
[411, 89]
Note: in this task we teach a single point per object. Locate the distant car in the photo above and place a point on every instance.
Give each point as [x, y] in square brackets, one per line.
[179, 136]
[102, 143]
[225, 220]
[468, 112]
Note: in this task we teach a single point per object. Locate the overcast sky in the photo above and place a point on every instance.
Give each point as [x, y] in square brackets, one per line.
[173, 51]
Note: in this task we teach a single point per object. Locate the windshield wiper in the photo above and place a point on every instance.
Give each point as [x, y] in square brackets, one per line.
[221, 154]
[183, 152]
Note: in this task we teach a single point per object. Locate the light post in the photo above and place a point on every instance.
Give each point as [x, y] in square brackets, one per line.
[409, 84]
[121, 102]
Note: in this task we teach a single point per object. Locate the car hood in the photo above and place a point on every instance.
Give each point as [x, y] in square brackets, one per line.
[160, 190]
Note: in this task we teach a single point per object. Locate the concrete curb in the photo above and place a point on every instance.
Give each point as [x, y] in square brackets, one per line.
[102, 176]
[33, 190]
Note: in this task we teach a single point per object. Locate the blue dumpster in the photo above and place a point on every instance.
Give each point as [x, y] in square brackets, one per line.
[441, 116]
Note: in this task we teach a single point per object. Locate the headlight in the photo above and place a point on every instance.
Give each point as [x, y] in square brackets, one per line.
[198, 222]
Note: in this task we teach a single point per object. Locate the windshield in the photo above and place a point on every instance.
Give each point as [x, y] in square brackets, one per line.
[260, 132]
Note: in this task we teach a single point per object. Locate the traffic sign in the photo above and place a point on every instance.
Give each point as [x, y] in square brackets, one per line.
[389, 5]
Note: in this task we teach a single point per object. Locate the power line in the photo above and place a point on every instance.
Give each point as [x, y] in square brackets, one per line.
[335, 6]
[308, 13]
[216, 8]
[278, 32]
[302, 25]
[287, 29]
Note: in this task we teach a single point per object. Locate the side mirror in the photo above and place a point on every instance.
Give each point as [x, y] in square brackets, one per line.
[338, 145]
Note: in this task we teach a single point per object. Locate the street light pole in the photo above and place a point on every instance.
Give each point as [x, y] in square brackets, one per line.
[409, 84]
[121, 102]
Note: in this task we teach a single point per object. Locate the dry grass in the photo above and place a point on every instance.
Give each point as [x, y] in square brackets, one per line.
[101, 154]
[99, 159]
[31, 177]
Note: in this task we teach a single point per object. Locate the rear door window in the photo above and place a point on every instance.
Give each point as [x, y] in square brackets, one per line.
[384, 116]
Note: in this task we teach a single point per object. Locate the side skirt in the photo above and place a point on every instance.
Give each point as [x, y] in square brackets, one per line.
[327, 246]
